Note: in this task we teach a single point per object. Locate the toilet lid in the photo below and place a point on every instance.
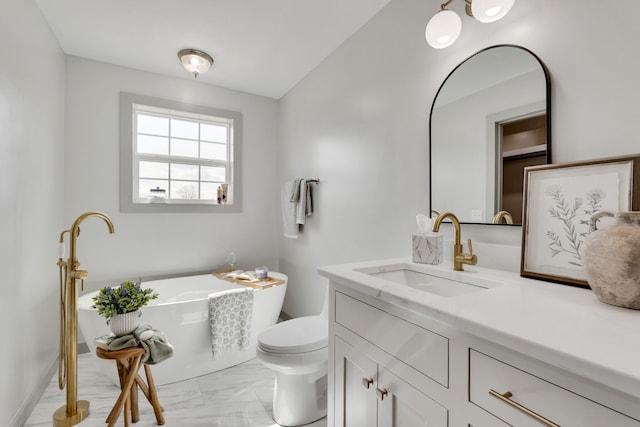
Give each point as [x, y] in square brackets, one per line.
[300, 335]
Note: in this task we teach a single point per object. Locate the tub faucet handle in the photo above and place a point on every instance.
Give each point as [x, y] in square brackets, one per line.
[79, 274]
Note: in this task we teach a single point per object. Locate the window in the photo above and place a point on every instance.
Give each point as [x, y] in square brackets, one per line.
[177, 157]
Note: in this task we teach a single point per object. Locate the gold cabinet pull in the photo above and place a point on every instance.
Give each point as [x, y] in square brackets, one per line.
[506, 398]
[366, 382]
[381, 393]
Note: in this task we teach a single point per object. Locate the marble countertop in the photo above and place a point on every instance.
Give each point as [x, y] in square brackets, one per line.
[561, 325]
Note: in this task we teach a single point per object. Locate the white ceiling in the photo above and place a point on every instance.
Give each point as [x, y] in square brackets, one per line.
[262, 47]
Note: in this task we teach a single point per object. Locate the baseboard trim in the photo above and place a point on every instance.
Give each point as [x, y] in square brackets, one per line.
[83, 348]
[24, 411]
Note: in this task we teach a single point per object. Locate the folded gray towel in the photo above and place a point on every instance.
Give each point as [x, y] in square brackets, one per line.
[156, 347]
[295, 191]
[301, 206]
[308, 207]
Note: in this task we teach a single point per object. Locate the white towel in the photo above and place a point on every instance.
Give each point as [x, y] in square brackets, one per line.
[230, 315]
[289, 225]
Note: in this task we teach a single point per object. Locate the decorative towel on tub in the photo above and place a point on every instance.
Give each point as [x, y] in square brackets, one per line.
[230, 320]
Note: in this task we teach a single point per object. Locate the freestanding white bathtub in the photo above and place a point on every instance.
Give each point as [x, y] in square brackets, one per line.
[181, 313]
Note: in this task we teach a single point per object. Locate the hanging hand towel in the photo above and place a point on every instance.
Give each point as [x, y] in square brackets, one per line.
[308, 208]
[230, 315]
[295, 191]
[301, 207]
[289, 224]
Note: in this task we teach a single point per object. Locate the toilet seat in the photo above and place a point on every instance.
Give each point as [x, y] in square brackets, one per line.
[300, 335]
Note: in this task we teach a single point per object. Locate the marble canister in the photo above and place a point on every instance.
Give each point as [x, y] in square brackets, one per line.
[611, 259]
[428, 248]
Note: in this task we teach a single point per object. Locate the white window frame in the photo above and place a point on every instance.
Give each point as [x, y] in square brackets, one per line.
[130, 104]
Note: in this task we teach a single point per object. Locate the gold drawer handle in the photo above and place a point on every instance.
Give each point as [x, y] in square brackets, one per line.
[366, 382]
[506, 399]
[381, 393]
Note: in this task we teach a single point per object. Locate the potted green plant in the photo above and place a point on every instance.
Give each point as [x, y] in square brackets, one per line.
[120, 305]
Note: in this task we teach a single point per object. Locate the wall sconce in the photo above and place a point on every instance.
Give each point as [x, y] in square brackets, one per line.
[444, 27]
[195, 61]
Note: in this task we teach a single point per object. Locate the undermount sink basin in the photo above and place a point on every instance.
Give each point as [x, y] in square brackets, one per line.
[428, 281]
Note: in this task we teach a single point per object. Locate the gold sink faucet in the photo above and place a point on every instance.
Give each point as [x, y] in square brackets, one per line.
[459, 257]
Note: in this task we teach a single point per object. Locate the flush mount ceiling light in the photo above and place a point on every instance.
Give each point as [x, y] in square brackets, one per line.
[444, 27]
[195, 61]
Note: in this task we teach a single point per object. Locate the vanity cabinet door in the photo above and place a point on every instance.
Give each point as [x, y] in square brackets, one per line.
[402, 405]
[355, 387]
[368, 395]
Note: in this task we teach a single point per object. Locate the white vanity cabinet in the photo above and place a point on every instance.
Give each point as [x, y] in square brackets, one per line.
[371, 387]
[367, 394]
[393, 365]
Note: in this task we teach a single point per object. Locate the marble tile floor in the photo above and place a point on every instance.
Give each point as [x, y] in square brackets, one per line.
[239, 396]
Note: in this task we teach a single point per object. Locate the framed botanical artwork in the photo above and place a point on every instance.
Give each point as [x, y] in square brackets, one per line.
[559, 200]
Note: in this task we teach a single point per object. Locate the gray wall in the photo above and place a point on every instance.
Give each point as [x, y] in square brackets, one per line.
[31, 202]
[154, 244]
[359, 122]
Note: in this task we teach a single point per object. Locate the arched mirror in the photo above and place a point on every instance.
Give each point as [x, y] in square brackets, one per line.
[489, 120]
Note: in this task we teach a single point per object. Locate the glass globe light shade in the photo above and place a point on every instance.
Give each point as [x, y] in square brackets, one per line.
[443, 29]
[195, 61]
[490, 10]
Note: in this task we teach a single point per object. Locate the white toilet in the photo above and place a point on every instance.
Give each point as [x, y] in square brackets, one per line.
[297, 351]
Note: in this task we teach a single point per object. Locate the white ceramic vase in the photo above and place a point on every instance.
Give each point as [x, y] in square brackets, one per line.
[612, 259]
[124, 324]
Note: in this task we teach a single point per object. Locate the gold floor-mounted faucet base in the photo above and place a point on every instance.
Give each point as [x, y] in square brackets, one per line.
[61, 417]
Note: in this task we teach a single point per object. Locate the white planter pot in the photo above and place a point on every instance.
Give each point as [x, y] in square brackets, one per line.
[123, 324]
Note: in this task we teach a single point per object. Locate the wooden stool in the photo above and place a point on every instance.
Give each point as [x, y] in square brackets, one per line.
[128, 362]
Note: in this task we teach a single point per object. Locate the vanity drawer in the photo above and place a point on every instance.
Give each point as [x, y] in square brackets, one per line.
[420, 348]
[553, 403]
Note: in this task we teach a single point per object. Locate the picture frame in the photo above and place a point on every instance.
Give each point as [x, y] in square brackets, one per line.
[558, 202]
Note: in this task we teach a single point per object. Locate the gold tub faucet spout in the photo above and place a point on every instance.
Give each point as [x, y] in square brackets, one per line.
[75, 230]
[459, 257]
[72, 269]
